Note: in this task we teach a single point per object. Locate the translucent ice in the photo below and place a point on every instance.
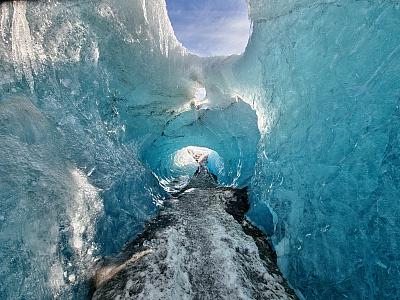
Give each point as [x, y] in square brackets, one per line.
[328, 165]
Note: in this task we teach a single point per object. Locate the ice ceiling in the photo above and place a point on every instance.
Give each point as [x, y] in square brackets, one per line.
[98, 97]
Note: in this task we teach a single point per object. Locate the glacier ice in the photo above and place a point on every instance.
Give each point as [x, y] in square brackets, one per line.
[71, 189]
[328, 166]
[97, 97]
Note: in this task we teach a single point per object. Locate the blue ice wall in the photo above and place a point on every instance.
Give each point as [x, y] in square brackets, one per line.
[71, 185]
[328, 164]
[231, 131]
[85, 89]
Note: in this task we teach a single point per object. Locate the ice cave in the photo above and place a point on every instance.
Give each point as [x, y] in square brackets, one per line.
[104, 114]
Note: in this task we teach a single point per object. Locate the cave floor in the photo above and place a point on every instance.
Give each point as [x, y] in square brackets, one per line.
[199, 246]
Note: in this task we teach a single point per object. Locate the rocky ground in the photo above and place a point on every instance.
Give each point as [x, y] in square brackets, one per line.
[200, 246]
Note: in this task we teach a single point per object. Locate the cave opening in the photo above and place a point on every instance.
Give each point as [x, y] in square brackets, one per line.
[211, 28]
[183, 164]
[191, 157]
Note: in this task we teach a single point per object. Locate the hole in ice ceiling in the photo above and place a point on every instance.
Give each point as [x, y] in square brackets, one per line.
[209, 27]
[200, 94]
[200, 101]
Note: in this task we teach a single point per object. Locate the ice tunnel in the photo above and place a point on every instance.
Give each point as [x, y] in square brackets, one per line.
[179, 167]
[231, 132]
[98, 99]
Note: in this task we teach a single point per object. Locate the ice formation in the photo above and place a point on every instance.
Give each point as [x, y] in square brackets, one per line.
[96, 98]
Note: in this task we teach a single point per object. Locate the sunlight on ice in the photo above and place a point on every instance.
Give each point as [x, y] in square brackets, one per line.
[84, 211]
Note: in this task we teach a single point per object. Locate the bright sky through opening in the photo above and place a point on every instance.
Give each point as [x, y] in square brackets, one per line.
[211, 27]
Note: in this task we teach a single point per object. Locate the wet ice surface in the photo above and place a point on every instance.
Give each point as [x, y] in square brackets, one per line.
[194, 249]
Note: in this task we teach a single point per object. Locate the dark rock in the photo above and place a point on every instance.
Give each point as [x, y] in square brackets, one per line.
[200, 246]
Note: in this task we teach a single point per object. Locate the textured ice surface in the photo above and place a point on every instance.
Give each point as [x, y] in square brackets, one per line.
[231, 131]
[86, 89]
[328, 165]
[71, 188]
[95, 97]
